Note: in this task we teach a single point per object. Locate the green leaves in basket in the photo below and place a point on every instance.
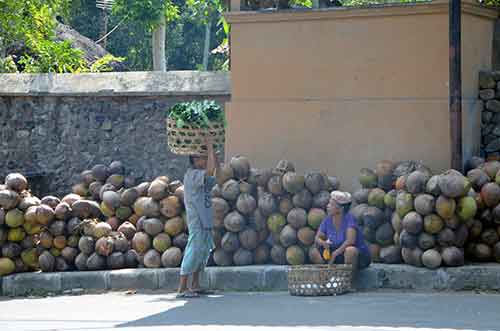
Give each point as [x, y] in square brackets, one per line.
[197, 114]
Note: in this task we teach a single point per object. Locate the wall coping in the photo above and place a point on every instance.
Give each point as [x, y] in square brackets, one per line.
[421, 8]
[138, 83]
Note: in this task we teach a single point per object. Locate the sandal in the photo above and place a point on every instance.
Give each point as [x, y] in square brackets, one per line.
[202, 291]
[186, 295]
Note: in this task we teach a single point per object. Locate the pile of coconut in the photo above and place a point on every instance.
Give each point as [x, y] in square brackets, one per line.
[484, 232]
[375, 203]
[143, 225]
[268, 215]
[433, 217]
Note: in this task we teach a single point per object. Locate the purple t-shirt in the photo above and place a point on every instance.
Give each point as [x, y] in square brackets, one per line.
[338, 238]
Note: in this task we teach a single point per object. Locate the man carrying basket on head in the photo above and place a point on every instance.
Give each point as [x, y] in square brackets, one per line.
[198, 183]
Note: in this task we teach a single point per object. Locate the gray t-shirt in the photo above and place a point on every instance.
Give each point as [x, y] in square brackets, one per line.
[197, 196]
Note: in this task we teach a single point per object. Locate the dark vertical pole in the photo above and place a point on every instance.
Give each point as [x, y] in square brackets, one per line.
[455, 85]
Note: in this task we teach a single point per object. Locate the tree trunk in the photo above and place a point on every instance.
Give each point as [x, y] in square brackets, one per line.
[206, 48]
[159, 57]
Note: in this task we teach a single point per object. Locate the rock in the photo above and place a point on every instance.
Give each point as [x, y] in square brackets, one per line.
[493, 146]
[488, 139]
[486, 117]
[486, 80]
[487, 94]
[493, 105]
[487, 129]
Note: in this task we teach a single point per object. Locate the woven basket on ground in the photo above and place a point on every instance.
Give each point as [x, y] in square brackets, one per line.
[319, 279]
[188, 140]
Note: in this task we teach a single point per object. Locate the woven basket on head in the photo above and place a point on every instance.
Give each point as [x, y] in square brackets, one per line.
[319, 279]
[188, 140]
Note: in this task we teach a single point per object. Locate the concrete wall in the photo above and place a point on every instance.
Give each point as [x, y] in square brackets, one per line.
[340, 89]
[59, 125]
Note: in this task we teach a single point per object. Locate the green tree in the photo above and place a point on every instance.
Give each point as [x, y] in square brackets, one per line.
[153, 16]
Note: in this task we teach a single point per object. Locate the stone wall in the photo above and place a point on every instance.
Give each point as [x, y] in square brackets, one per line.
[489, 94]
[54, 126]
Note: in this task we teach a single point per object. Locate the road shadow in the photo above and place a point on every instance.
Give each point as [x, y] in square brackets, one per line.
[416, 311]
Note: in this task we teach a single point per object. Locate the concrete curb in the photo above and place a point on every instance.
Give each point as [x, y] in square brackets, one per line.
[252, 278]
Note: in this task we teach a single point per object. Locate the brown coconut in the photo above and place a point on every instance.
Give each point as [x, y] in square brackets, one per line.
[384, 171]
[315, 181]
[431, 259]
[478, 178]
[230, 242]
[416, 182]
[224, 173]
[240, 166]
[141, 242]
[315, 217]
[222, 258]
[153, 226]
[275, 185]
[446, 237]
[376, 198]
[445, 207]
[246, 204]
[288, 236]
[295, 255]
[234, 222]
[413, 223]
[321, 200]
[285, 205]
[453, 256]
[158, 189]
[96, 262]
[171, 258]
[412, 256]
[248, 239]
[146, 206]
[408, 240]
[131, 259]
[453, 184]
[174, 226]
[152, 259]
[230, 190]
[404, 203]
[9, 199]
[129, 196]
[180, 240]
[128, 229]
[424, 204]
[490, 237]
[220, 207]
[243, 257]
[303, 199]
[262, 254]
[104, 246]
[433, 224]
[368, 178]
[267, 204]
[306, 236]
[27, 202]
[432, 186]
[391, 255]
[315, 256]
[50, 201]
[490, 194]
[293, 182]
[47, 262]
[426, 241]
[16, 182]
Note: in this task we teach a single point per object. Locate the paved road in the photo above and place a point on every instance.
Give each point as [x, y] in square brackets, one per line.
[378, 311]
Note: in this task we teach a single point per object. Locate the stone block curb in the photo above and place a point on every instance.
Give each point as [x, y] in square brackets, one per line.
[251, 278]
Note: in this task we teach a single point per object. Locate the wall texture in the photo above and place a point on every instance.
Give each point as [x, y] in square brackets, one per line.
[339, 89]
[59, 125]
